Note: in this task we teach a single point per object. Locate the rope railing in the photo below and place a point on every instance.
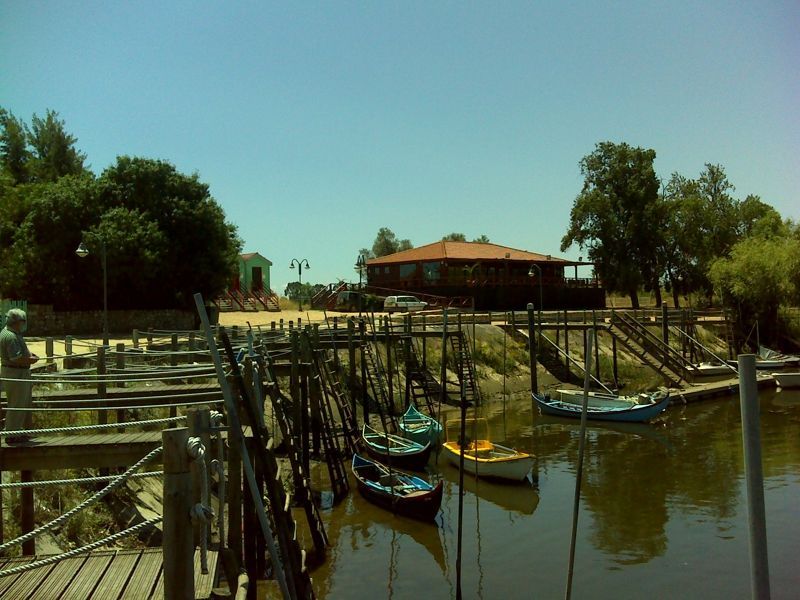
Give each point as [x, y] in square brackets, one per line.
[108, 379]
[98, 426]
[201, 512]
[116, 483]
[82, 550]
[119, 407]
[56, 402]
[78, 480]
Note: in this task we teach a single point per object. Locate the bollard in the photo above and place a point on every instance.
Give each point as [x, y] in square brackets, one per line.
[177, 546]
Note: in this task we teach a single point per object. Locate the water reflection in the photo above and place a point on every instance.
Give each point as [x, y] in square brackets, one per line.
[669, 493]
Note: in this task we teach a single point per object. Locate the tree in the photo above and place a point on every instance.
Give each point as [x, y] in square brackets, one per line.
[617, 219]
[54, 152]
[483, 239]
[165, 239]
[386, 242]
[759, 275]
[454, 237]
[14, 154]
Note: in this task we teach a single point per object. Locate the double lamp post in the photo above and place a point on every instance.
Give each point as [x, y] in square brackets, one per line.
[83, 252]
[299, 264]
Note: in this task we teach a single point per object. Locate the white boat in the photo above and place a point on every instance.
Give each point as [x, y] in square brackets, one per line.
[708, 369]
[787, 380]
[484, 458]
[604, 400]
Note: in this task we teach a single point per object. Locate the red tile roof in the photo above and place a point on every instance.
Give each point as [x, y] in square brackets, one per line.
[476, 251]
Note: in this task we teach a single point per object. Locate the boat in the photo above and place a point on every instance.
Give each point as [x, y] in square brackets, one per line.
[709, 369]
[771, 359]
[516, 499]
[396, 450]
[787, 380]
[602, 399]
[419, 427]
[396, 491]
[636, 413]
[484, 458]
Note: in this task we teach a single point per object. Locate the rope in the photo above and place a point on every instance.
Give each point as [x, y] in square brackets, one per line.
[88, 548]
[57, 482]
[218, 464]
[21, 432]
[121, 406]
[85, 504]
[201, 512]
[106, 379]
[188, 395]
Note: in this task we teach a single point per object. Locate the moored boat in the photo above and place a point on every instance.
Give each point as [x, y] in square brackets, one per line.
[419, 427]
[484, 458]
[787, 380]
[396, 450]
[631, 413]
[396, 491]
[604, 400]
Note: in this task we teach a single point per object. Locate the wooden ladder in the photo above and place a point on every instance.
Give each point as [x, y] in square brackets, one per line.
[294, 557]
[465, 368]
[377, 386]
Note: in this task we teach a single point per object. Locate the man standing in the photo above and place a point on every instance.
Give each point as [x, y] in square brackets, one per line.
[15, 373]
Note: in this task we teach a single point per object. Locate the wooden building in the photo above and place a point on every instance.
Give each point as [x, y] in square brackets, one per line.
[496, 277]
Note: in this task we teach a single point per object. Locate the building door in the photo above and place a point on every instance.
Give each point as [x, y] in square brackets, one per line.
[257, 280]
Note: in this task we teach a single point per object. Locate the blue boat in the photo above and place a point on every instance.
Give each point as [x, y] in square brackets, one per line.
[633, 413]
[419, 427]
[394, 490]
[395, 450]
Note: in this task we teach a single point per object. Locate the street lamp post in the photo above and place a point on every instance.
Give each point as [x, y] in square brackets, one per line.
[539, 279]
[468, 271]
[82, 251]
[361, 263]
[299, 264]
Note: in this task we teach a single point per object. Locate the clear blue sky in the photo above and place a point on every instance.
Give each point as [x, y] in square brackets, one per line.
[317, 123]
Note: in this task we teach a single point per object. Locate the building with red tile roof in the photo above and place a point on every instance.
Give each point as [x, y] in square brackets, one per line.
[496, 277]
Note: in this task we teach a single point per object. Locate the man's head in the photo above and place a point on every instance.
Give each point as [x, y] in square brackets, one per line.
[16, 319]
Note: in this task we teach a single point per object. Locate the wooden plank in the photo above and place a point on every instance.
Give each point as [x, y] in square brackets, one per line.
[91, 574]
[145, 576]
[27, 583]
[9, 580]
[116, 576]
[59, 578]
[203, 584]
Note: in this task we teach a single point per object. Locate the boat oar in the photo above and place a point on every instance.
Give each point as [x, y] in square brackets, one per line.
[578, 477]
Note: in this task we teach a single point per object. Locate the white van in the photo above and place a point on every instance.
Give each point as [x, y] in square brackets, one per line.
[403, 303]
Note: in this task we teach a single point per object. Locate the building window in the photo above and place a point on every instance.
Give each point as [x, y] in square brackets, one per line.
[408, 271]
[385, 270]
[432, 271]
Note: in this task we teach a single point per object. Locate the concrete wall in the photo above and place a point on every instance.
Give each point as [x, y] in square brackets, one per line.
[43, 320]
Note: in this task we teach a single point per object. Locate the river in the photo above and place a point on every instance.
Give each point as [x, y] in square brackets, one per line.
[662, 514]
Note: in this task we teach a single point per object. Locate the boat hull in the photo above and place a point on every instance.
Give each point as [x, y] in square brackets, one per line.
[418, 499]
[513, 467]
[787, 380]
[400, 452]
[419, 427]
[638, 413]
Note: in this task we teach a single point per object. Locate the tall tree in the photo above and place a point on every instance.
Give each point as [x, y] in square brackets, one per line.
[14, 154]
[386, 242]
[54, 151]
[483, 239]
[454, 237]
[616, 217]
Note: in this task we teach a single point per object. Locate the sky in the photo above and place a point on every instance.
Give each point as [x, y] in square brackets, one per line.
[317, 123]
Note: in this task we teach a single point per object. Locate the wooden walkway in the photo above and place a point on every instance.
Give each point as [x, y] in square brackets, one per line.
[92, 450]
[101, 575]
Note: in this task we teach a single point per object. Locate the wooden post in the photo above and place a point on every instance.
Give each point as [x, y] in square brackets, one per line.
[424, 345]
[566, 340]
[192, 348]
[149, 337]
[48, 350]
[351, 356]
[68, 352]
[102, 386]
[120, 364]
[665, 330]
[178, 548]
[135, 338]
[173, 354]
[305, 428]
[198, 421]
[249, 524]
[596, 347]
[389, 369]
[233, 493]
[294, 392]
[614, 353]
[362, 328]
[27, 518]
[532, 352]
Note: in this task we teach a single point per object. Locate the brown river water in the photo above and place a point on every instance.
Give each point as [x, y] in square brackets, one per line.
[663, 514]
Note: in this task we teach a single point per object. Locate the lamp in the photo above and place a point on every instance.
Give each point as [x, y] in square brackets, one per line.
[82, 251]
[539, 279]
[299, 263]
[361, 263]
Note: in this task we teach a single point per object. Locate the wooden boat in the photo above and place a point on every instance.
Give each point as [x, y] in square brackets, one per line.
[708, 369]
[636, 413]
[419, 427]
[787, 380]
[396, 450]
[484, 458]
[399, 492]
[603, 400]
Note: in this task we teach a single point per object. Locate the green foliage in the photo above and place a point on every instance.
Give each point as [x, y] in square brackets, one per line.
[454, 237]
[614, 216]
[483, 239]
[386, 242]
[165, 237]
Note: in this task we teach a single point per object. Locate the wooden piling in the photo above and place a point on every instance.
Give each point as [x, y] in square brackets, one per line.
[198, 421]
[532, 352]
[48, 350]
[177, 545]
[68, 352]
[102, 385]
[27, 516]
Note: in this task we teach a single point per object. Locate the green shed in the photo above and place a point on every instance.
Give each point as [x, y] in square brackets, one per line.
[253, 273]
